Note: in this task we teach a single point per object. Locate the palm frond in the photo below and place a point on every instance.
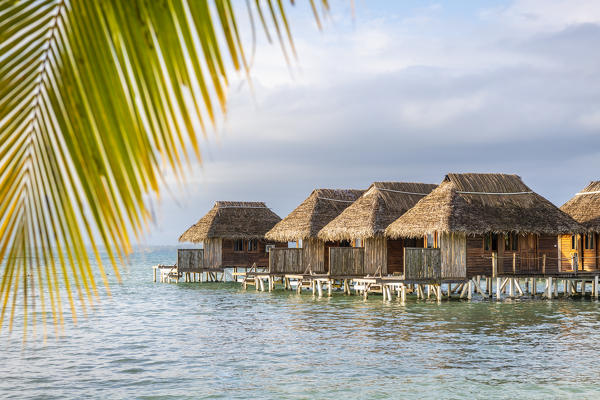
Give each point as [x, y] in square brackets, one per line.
[94, 97]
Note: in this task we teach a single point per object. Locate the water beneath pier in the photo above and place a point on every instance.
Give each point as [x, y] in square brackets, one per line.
[192, 340]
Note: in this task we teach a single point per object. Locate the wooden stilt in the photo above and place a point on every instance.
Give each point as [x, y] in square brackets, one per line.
[498, 288]
[533, 286]
[319, 288]
[329, 288]
[403, 291]
[555, 288]
[470, 290]
[595, 287]
[550, 291]
[511, 288]
[518, 287]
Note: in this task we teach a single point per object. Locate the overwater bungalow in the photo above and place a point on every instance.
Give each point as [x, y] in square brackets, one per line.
[302, 226]
[486, 224]
[364, 223]
[582, 250]
[232, 234]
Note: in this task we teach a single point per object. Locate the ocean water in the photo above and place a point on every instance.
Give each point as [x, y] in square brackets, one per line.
[190, 340]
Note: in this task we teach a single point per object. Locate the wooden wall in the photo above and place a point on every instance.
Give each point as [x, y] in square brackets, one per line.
[476, 263]
[548, 245]
[190, 260]
[286, 261]
[232, 258]
[376, 254]
[590, 260]
[346, 261]
[395, 256]
[213, 254]
[422, 264]
[453, 248]
[314, 255]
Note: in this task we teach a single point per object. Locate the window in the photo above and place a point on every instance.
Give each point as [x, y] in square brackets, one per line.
[238, 245]
[511, 241]
[358, 243]
[410, 242]
[430, 241]
[490, 242]
[573, 242]
[253, 245]
[589, 241]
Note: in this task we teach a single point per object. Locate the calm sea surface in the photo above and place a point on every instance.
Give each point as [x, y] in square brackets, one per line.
[152, 340]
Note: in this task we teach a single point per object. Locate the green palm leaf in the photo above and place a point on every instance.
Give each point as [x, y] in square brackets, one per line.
[94, 97]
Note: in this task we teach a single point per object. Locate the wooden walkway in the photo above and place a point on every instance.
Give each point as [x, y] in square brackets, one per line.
[390, 287]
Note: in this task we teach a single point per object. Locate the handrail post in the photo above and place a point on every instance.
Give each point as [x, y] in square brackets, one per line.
[514, 263]
[544, 264]
[494, 264]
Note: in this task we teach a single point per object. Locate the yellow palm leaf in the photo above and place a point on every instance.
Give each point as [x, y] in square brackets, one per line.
[94, 97]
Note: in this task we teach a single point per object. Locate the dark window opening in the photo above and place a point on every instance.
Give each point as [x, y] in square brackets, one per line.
[589, 242]
[238, 245]
[490, 242]
[511, 241]
[253, 245]
[345, 243]
[412, 242]
[573, 242]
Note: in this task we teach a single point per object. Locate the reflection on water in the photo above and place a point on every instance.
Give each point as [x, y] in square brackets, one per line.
[215, 340]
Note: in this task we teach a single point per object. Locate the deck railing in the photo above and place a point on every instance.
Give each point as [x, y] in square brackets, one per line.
[190, 260]
[285, 261]
[422, 264]
[346, 261]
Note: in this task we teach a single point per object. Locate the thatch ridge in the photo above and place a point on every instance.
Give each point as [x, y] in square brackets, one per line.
[316, 211]
[378, 207]
[232, 220]
[482, 203]
[584, 207]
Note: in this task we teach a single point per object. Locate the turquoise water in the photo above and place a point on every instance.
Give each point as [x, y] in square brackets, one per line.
[152, 340]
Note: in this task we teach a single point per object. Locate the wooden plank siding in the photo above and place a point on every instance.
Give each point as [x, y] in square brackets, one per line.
[286, 261]
[590, 256]
[376, 256]
[453, 248]
[395, 257]
[422, 264]
[314, 255]
[477, 258]
[213, 253]
[346, 261]
[220, 253]
[190, 260]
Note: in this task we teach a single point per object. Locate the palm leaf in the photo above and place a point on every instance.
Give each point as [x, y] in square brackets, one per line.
[95, 96]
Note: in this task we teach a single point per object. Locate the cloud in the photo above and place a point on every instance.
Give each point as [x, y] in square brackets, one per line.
[409, 94]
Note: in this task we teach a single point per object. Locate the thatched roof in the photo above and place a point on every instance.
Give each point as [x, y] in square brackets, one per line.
[232, 220]
[584, 207]
[313, 214]
[378, 207]
[482, 203]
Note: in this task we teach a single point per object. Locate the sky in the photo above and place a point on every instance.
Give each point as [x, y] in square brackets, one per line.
[403, 91]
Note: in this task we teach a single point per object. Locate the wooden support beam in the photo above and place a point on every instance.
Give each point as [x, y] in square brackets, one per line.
[319, 288]
[329, 288]
[550, 291]
[511, 287]
[403, 293]
[478, 287]
[470, 290]
[498, 288]
[519, 289]
[595, 287]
